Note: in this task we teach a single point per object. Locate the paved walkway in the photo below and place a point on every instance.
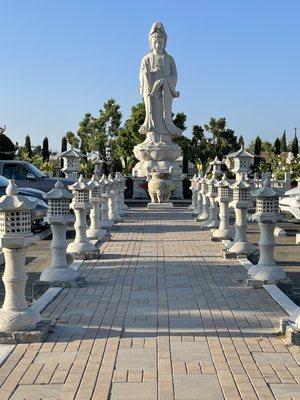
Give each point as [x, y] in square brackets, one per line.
[162, 316]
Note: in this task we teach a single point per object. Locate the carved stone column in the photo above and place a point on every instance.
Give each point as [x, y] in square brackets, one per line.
[58, 217]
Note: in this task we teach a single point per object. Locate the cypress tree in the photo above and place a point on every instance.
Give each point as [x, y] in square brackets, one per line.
[283, 146]
[277, 146]
[28, 146]
[241, 141]
[257, 146]
[45, 150]
[64, 144]
[295, 146]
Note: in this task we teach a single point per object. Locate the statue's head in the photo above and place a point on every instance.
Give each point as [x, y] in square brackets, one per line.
[158, 38]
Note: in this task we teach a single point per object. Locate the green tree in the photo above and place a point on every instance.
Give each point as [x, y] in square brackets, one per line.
[98, 133]
[64, 144]
[72, 140]
[295, 146]
[277, 146]
[128, 137]
[257, 146]
[224, 139]
[28, 146]
[241, 141]
[45, 150]
[283, 146]
[7, 148]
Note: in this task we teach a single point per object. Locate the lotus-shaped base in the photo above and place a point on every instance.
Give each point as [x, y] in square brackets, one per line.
[155, 155]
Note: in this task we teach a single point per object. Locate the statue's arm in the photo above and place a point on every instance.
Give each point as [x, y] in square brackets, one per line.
[143, 74]
[172, 79]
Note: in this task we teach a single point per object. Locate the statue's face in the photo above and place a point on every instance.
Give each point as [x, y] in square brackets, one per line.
[158, 44]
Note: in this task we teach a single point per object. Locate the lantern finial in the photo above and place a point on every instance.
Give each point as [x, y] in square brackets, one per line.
[12, 188]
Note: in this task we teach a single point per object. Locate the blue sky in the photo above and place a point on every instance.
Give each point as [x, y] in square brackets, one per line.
[63, 58]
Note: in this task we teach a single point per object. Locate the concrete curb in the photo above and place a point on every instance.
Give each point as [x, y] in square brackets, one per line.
[5, 351]
[46, 299]
[281, 298]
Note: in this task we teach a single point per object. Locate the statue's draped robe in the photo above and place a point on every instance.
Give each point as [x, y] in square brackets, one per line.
[158, 97]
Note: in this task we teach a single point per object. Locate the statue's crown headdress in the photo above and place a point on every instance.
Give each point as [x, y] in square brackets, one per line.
[157, 30]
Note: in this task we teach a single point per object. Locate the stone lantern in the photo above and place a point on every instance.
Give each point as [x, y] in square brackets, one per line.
[239, 161]
[113, 213]
[94, 157]
[198, 209]
[194, 193]
[59, 217]
[216, 166]
[212, 192]
[224, 197]
[205, 199]
[121, 185]
[242, 200]
[267, 214]
[15, 236]
[71, 163]
[106, 187]
[81, 246]
[95, 231]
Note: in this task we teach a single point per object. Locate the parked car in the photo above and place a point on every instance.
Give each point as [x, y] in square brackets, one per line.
[27, 175]
[39, 212]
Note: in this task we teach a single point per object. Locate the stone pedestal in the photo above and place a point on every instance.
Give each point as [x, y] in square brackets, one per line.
[105, 222]
[59, 270]
[81, 246]
[159, 206]
[240, 245]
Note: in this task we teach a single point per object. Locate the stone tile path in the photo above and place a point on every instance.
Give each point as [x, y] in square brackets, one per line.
[162, 316]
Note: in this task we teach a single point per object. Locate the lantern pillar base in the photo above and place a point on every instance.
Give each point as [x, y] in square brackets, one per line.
[267, 273]
[37, 334]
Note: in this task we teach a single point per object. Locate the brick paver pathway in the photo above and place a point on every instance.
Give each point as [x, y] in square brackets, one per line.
[162, 316]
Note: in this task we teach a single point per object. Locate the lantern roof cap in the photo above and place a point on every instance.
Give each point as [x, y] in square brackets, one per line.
[224, 182]
[72, 153]
[242, 183]
[14, 201]
[59, 192]
[266, 190]
[215, 161]
[81, 184]
[93, 182]
[240, 153]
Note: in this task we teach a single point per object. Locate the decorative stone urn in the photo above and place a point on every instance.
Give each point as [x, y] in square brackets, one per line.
[160, 187]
